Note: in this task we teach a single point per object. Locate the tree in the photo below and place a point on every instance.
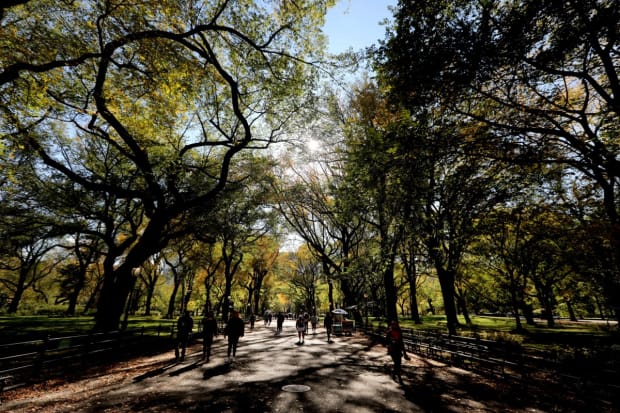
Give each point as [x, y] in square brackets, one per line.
[410, 255]
[150, 274]
[167, 93]
[242, 224]
[74, 275]
[263, 257]
[26, 267]
[374, 170]
[541, 76]
[316, 206]
[304, 281]
[178, 261]
[209, 264]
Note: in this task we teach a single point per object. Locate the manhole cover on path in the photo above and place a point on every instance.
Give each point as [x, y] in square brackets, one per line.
[296, 388]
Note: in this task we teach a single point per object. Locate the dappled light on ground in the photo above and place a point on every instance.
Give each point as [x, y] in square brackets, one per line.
[349, 375]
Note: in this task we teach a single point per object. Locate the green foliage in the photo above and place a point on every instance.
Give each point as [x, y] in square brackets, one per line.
[132, 115]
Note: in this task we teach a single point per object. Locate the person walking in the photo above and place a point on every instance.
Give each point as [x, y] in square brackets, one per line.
[314, 321]
[185, 325]
[279, 323]
[300, 325]
[234, 330]
[396, 348]
[328, 323]
[209, 331]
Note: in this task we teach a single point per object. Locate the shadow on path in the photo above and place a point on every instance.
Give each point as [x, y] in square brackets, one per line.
[348, 375]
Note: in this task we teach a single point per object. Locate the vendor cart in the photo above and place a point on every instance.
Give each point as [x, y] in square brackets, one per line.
[341, 325]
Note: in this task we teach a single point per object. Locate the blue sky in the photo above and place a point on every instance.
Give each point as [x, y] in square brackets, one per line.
[355, 23]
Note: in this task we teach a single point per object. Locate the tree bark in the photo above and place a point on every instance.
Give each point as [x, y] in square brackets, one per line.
[20, 287]
[113, 297]
[390, 291]
[446, 281]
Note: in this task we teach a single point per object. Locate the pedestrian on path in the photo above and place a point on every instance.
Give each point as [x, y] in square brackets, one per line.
[234, 330]
[185, 325]
[209, 331]
[328, 323]
[396, 348]
[300, 325]
[279, 323]
[314, 321]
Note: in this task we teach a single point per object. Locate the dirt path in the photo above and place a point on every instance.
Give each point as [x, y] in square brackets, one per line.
[348, 375]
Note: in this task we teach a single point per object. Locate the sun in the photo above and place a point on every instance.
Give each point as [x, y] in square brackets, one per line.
[313, 145]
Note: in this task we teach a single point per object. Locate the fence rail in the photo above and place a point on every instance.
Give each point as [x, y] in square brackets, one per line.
[595, 378]
[36, 360]
[31, 361]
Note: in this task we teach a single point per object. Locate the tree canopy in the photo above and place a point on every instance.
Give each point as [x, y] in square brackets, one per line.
[154, 148]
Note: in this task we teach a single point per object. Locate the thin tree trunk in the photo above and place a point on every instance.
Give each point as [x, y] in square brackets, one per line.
[173, 298]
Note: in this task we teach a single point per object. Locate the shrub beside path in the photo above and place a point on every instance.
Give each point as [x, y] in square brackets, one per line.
[274, 374]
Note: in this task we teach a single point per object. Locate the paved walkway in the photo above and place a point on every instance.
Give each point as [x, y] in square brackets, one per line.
[349, 375]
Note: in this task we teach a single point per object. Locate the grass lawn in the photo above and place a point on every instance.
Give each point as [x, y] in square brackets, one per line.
[24, 328]
[566, 333]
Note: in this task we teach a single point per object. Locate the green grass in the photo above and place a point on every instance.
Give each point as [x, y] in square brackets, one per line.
[539, 337]
[24, 328]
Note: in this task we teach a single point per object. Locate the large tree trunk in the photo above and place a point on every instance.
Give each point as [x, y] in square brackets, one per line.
[77, 289]
[20, 287]
[460, 298]
[412, 276]
[413, 302]
[73, 297]
[92, 299]
[347, 294]
[173, 298]
[116, 287]
[150, 290]
[390, 291]
[330, 284]
[119, 281]
[516, 308]
[446, 281]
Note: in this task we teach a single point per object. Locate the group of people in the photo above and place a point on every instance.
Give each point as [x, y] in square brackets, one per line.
[235, 327]
[301, 325]
[234, 330]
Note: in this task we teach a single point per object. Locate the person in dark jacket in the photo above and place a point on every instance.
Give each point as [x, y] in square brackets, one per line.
[279, 323]
[396, 348]
[185, 325]
[209, 331]
[328, 323]
[234, 330]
